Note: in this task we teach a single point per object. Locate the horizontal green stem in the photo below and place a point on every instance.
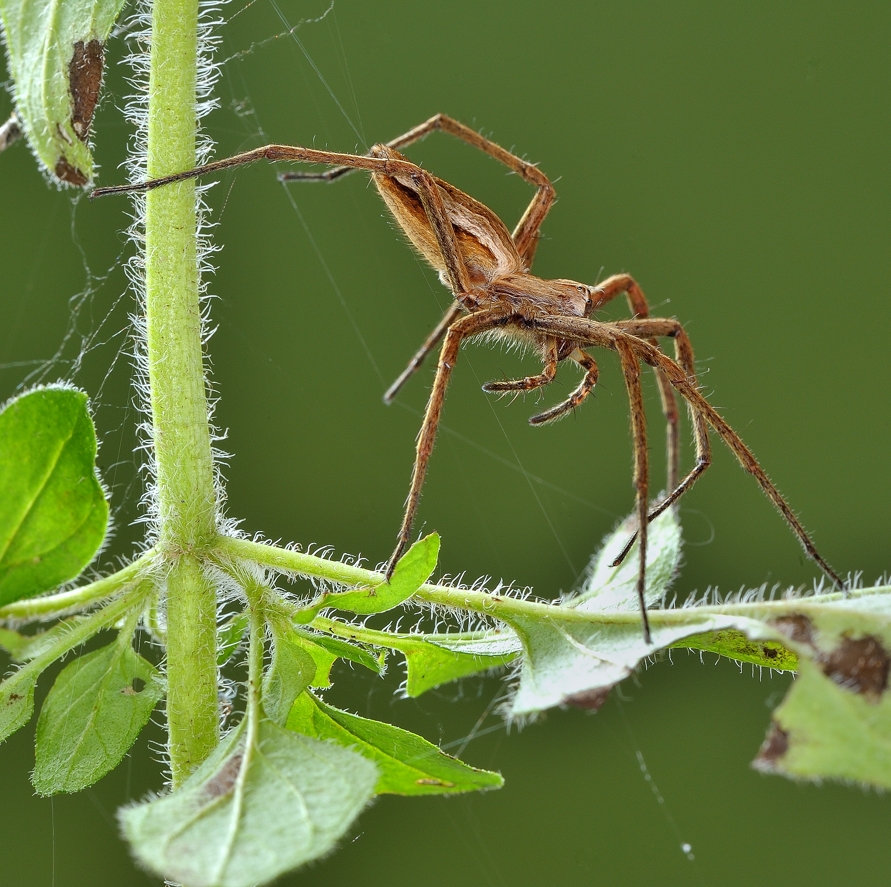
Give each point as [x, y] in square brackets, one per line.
[503, 606]
[82, 630]
[79, 598]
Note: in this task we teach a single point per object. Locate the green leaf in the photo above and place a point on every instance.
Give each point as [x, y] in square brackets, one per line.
[323, 659]
[230, 636]
[17, 700]
[258, 807]
[615, 588]
[55, 53]
[412, 571]
[94, 712]
[291, 671]
[407, 763]
[53, 513]
[14, 643]
[435, 659]
[735, 645]
[335, 648]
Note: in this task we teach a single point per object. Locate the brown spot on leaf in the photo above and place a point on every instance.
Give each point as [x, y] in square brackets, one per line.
[439, 782]
[589, 700]
[860, 665]
[65, 172]
[796, 627]
[84, 81]
[13, 698]
[775, 745]
[224, 780]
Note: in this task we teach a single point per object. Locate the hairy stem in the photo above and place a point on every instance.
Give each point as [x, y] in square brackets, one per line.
[186, 493]
[504, 606]
[76, 599]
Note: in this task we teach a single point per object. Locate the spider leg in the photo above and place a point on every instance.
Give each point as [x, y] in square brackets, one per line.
[637, 302]
[466, 326]
[588, 332]
[645, 329]
[529, 383]
[429, 344]
[631, 371]
[587, 384]
[526, 234]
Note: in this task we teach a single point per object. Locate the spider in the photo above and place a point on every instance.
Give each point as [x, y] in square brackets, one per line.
[486, 268]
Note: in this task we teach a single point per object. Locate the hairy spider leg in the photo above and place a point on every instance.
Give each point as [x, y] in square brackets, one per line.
[589, 380]
[637, 302]
[469, 325]
[452, 314]
[590, 332]
[529, 383]
[647, 329]
[631, 371]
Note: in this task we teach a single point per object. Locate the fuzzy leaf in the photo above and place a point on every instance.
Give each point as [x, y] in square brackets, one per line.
[94, 712]
[615, 588]
[53, 513]
[573, 659]
[412, 571]
[55, 53]
[255, 809]
[291, 671]
[407, 764]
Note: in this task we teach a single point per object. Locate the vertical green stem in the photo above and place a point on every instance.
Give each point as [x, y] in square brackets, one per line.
[186, 493]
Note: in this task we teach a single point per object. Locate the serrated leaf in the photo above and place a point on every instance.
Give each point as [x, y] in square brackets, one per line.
[92, 715]
[412, 571]
[615, 588]
[55, 53]
[230, 635]
[53, 513]
[255, 809]
[291, 671]
[407, 764]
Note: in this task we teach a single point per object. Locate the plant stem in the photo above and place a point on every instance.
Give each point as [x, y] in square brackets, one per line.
[186, 493]
[504, 606]
[54, 605]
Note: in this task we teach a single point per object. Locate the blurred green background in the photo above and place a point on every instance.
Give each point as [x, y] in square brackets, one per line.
[734, 158]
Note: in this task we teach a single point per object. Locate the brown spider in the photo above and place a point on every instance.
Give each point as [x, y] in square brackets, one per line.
[487, 270]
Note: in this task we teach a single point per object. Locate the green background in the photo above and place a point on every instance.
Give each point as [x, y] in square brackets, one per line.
[734, 158]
